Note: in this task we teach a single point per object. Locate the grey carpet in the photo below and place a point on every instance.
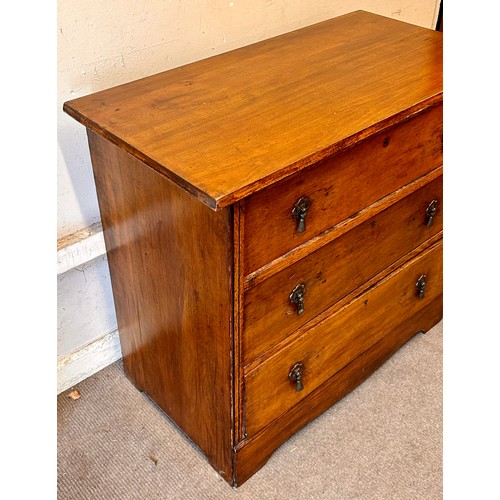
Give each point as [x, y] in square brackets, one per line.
[382, 441]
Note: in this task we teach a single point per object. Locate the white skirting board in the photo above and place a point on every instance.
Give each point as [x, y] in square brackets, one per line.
[85, 308]
[79, 248]
[87, 360]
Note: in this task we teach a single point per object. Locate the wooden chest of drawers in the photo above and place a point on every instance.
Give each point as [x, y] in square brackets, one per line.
[273, 222]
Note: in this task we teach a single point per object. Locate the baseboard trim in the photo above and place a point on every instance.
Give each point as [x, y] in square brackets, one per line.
[87, 360]
[80, 247]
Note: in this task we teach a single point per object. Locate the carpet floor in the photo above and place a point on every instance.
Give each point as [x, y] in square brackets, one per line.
[382, 441]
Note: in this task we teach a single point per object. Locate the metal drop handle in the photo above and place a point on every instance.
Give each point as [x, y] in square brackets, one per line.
[430, 212]
[299, 212]
[420, 285]
[297, 297]
[295, 376]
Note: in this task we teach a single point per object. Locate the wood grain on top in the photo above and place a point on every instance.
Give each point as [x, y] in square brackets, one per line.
[229, 125]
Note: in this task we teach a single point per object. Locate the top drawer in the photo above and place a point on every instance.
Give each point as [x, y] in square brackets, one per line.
[340, 186]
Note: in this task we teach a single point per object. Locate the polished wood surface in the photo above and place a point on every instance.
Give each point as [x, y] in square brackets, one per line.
[227, 126]
[197, 170]
[334, 270]
[252, 453]
[341, 186]
[173, 296]
[300, 251]
[346, 334]
[370, 283]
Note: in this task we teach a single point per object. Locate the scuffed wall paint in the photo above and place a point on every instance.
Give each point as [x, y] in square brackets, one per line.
[91, 358]
[85, 308]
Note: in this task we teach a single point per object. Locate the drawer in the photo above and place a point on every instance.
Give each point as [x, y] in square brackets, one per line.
[340, 186]
[333, 271]
[332, 344]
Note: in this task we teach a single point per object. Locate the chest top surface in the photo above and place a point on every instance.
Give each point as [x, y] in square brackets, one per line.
[227, 126]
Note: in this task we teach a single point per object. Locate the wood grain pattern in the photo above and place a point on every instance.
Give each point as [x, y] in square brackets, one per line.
[227, 126]
[296, 334]
[170, 260]
[299, 252]
[339, 187]
[252, 453]
[348, 110]
[336, 269]
[236, 351]
[331, 345]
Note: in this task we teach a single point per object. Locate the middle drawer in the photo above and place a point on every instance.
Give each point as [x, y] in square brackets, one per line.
[327, 275]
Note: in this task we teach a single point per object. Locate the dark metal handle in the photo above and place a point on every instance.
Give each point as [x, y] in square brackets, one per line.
[297, 297]
[299, 212]
[295, 376]
[430, 212]
[421, 283]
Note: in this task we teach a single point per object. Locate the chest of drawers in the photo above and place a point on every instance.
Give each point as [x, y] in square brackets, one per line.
[273, 224]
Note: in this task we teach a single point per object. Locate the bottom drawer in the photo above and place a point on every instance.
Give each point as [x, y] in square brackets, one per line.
[284, 379]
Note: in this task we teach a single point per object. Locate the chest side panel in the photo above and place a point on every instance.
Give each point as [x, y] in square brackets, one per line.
[170, 260]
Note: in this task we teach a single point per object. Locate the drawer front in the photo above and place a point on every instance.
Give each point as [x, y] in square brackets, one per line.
[339, 187]
[333, 271]
[325, 349]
